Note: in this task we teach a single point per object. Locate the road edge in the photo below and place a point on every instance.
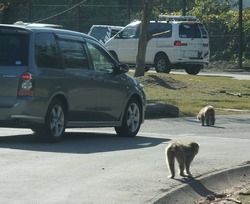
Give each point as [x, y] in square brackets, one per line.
[199, 188]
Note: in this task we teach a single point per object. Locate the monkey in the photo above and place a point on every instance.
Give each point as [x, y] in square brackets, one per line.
[207, 114]
[184, 154]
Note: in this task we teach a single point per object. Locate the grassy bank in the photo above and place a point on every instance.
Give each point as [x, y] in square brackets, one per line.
[191, 93]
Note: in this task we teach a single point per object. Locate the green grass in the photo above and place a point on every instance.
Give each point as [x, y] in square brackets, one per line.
[190, 93]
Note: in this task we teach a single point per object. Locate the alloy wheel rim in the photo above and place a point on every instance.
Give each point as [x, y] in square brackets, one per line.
[133, 119]
[57, 121]
[161, 65]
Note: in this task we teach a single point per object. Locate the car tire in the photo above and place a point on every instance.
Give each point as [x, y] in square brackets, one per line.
[55, 121]
[162, 64]
[131, 121]
[147, 69]
[193, 70]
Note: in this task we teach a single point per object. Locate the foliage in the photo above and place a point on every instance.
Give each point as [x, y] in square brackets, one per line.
[221, 19]
[5, 4]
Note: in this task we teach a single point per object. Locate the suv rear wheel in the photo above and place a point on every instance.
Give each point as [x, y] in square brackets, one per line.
[131, 121]
[162, 64]
[54, 126]
[193, 69]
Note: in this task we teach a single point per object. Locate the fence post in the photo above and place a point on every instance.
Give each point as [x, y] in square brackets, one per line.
[184, 9]
[240, 34]
[1, 16]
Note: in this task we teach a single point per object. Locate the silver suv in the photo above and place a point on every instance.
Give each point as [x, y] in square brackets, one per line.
[52, 79]
[178, 42]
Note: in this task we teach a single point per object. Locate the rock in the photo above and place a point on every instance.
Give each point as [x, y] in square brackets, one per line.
[161, 110]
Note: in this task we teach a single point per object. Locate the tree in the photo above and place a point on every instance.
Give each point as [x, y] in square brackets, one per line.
[6, 6]
[221, 20]
[144, 38]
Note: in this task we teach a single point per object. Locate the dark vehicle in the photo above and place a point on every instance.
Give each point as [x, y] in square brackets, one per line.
[52, 79]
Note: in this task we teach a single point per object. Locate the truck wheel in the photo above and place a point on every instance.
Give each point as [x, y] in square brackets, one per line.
[147, 69]
[193, 69]
[162, 64]
[131, 121]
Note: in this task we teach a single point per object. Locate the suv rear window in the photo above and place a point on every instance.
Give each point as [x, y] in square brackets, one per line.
[99, 32]
[188, 30]
[14, 49]
[203, 31]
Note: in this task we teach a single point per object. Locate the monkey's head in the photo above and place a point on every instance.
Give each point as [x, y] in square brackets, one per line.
[195, 146]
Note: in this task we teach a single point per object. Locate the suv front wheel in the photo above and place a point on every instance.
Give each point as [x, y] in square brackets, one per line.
[131, 121]
[162, 64]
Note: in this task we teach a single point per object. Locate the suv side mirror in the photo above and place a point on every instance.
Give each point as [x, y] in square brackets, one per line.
[121, 68]
[124, 68]
[118, 35]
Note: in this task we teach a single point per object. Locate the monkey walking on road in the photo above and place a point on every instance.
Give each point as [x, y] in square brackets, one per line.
[184, 154]
[207, 114]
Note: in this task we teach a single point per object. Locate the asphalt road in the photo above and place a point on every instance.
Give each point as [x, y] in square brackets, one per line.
[96, 166]
[235, 74]
[240, 75]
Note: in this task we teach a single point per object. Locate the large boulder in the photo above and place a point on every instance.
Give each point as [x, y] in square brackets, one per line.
[161, 110]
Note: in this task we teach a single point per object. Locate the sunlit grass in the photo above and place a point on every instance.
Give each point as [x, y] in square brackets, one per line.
[190, 93]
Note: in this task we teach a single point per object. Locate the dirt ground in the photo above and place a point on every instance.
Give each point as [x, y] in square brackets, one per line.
[235, 195]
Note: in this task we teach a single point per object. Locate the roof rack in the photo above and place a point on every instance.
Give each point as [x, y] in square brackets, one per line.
[21, 23]
[178, 18]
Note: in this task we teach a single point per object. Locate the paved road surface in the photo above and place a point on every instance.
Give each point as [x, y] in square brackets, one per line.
[96, 166]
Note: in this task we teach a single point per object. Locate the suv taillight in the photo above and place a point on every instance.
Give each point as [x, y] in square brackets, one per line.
[179, 43]
[26, 85]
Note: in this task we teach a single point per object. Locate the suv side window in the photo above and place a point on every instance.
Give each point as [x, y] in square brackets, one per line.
[74, 55]
[189, 31]
[160, 30]
[46, 51]
[101, 60]
[203, 30]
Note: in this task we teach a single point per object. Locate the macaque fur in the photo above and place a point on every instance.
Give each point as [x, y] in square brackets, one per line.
[207, 115]
[184, 154]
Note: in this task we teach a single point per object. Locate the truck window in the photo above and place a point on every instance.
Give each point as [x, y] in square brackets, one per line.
[203, 30]
[189, 30]
[129, 32]
[100, 32]
[161, 30]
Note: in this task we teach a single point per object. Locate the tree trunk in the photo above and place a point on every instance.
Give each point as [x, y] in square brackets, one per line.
[144, 38]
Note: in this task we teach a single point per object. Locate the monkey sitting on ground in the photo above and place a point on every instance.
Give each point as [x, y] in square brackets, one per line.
[207, 114]
[184, 154]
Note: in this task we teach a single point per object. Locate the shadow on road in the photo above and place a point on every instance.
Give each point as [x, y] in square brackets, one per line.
[199, 188]
[80, 143]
